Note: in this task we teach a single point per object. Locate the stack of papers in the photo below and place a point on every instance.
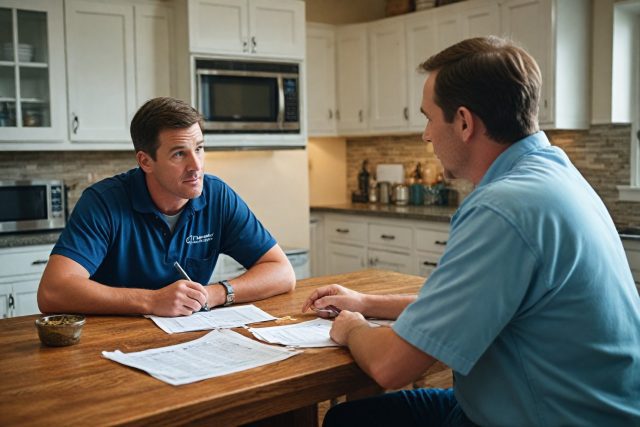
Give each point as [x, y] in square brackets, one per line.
[314, 333]
[226, 317]
[220, 352]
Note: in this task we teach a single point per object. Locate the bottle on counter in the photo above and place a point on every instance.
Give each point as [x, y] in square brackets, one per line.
[363, 180]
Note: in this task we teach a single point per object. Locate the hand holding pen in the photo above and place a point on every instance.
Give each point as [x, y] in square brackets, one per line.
[185, 276]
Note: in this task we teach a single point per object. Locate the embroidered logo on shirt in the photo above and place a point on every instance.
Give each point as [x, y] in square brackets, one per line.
[199, 239]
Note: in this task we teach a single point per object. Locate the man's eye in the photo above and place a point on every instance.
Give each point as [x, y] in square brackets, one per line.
[178, 154]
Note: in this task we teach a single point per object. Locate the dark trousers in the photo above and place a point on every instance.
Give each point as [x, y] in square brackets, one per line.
[426, 407]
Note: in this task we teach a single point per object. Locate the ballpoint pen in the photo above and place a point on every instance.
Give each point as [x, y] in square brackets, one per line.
[185, 276]
[330, 309]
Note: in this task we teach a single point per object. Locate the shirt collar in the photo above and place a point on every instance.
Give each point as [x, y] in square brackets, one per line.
[141, 199]
[511, 155]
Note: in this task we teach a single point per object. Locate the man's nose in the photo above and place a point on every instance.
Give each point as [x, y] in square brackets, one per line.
[195, 161]
[426, 135]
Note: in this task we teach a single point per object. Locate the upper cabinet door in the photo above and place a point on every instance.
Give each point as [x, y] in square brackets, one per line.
[219, 26]
[480, 18]
[421, 44]
[320, 80]
[32, 81]
[277, 28]
[389, 109]
[352, 80]
[154, 70]
[100, 68]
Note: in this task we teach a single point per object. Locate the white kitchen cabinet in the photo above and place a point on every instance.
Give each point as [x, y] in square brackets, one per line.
[345, 258]
[271, 28]
[111, 69]
[320, 64]
[20, 272]
[479, 18]
[317, 245]
[32, 81]
[352, 79]
[400, 262]
[557, 34]
[388, 76]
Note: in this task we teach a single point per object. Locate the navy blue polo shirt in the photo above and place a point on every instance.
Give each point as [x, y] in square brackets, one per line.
[122, 239]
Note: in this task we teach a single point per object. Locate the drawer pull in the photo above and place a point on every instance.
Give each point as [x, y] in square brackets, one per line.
[441, 242]
[39, 262]
[342, 230]
[430, 264]
[12, 302]
[387, 236]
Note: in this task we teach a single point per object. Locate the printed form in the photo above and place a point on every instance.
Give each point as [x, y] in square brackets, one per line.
[225, 317]
[220, 352]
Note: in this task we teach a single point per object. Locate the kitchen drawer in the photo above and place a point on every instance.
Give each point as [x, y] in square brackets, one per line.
[339, 229]
[426, 262]
[431, 240]
[390, 235]
[24, 260]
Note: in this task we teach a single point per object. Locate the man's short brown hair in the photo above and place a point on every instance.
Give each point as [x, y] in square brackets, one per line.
[158, 114]
[492, 77]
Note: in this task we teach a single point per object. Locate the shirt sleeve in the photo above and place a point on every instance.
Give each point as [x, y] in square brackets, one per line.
[477, 288]
[244, 237]
[86, 237]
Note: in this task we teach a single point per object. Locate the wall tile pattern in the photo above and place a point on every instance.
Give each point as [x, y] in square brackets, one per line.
[601, 154]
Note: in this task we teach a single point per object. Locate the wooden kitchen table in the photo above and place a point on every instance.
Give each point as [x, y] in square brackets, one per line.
[76, 386]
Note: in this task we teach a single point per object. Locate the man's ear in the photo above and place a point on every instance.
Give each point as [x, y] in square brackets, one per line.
[144, 161]
[466, 123]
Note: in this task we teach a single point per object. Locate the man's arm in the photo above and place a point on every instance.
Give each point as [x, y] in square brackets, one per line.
[391, 361]
[271, 275]
[66, 287]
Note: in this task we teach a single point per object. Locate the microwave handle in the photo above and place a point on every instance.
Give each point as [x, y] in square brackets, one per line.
[281, 101]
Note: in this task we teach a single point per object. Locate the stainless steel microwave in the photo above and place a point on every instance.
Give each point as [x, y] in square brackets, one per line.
[248, 96]
[32, 205]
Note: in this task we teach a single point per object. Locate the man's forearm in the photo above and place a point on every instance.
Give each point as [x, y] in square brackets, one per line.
[386, 306]
[263, 280]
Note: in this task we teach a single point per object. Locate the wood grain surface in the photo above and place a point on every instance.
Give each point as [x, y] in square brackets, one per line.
[76, 386]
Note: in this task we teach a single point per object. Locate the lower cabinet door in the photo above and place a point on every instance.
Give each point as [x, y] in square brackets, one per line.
[394, 261]
[426, 262]
[5, 301]
[25, 294]
[342, 258]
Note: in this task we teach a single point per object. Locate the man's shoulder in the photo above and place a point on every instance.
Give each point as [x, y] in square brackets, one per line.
[114, 184]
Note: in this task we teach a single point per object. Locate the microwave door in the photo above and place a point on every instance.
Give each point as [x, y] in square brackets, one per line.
[280, 102]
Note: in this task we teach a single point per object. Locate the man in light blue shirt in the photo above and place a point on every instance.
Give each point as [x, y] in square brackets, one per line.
[532, 305]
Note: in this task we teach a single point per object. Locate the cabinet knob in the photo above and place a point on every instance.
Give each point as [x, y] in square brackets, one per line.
[12, 302]
[75, 124]
[330, 114]
[245, 46]
[254, 44]
[405, 112]
[337, 114]
[360, 115]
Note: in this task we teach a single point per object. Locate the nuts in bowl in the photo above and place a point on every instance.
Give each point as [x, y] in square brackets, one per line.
[60, 329]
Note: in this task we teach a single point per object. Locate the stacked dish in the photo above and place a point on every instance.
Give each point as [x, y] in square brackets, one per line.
[25, 52]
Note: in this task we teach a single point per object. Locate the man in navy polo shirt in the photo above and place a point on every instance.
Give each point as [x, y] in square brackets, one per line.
[117, 253]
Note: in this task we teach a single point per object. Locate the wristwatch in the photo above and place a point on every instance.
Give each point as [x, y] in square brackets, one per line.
[231, 296]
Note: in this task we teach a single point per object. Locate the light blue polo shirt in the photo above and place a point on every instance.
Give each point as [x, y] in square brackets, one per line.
[117, 233]
[533, 304]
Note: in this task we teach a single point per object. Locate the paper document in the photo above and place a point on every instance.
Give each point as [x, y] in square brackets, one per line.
[220, 352]
[314, 333]
[225, 317]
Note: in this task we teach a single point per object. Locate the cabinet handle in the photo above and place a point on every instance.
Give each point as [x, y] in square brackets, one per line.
[75, 124]
[12, 302]
[387, 236]
[337, 114]
[373, 262]
[254, 44]
[430, 264]
[405, 112]
[39, 262]
[245, 46]
[330, 114]
[342, 230]
[441, 242]
[360, 115]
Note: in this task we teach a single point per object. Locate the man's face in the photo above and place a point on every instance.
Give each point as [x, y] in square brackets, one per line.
[176, 174]
[447, 145]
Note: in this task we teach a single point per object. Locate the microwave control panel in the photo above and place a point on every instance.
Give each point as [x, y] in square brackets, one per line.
[291, 112]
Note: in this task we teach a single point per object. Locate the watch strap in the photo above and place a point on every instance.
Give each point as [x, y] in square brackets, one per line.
[231, 296]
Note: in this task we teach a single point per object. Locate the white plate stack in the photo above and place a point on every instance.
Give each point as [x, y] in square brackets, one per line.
[25, 52]
[425, 4]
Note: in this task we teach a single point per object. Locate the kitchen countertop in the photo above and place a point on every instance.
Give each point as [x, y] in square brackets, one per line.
[629, 233]
[28, 239]
[426, 213]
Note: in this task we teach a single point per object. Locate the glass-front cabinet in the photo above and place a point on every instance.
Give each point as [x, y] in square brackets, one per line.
[32, 79]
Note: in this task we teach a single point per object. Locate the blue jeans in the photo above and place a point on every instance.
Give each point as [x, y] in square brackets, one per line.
[426, 407]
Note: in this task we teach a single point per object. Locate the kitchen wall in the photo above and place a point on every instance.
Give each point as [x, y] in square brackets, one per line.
[273, 183]
[327, 171]
[601, 154]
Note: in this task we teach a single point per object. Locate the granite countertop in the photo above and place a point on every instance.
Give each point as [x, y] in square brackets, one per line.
[27, 239]
[426, 213]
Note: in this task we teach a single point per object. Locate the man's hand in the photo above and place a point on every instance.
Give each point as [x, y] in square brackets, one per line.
[334, 295]
[346, 322]
[181, 298]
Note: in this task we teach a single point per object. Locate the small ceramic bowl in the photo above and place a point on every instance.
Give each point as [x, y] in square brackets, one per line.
[61, 329]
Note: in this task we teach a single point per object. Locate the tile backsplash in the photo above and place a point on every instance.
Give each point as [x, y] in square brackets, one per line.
[600, 153]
